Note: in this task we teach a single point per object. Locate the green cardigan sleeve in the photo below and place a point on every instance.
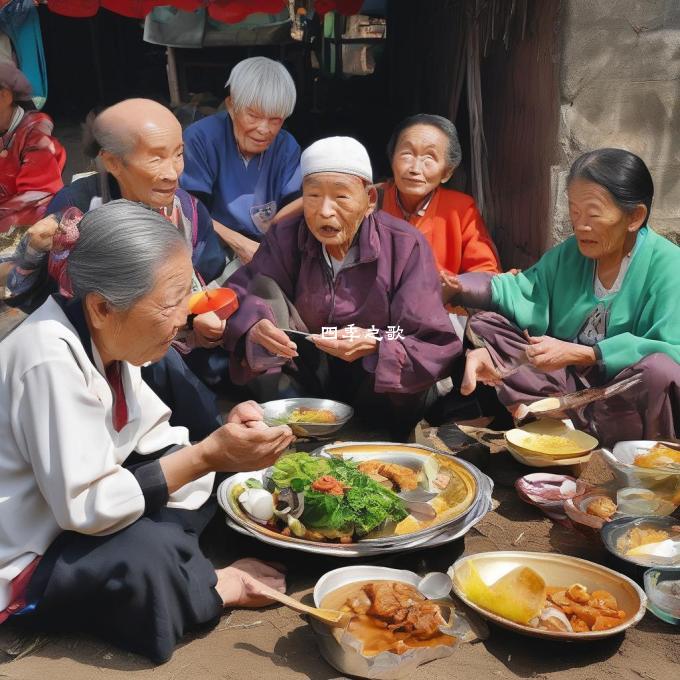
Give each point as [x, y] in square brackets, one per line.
[657, 329]
[524, 298]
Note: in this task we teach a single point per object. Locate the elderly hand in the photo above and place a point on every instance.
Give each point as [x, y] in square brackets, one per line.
[248, 413]
[451, 286]
[208, 330]
[244, 247]
[239, 585]
[41, 234]
[550, 354]
[235, 447]
[479, 367]
[273, 339]
[351, 343]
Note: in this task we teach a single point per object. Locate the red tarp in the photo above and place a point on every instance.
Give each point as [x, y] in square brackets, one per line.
[227, 11]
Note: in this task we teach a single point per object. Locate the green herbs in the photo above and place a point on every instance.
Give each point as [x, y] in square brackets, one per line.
[363, 507]
[298, 470]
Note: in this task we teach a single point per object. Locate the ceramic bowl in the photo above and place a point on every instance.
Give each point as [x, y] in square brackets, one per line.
[556, 570]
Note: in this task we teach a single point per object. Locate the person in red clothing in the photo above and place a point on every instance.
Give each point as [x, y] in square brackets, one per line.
[31, 160]
[424, 152]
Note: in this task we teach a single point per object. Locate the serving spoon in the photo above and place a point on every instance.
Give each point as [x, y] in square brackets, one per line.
[331, 617]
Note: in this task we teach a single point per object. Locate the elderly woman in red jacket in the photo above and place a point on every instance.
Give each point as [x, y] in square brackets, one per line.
[31, 160]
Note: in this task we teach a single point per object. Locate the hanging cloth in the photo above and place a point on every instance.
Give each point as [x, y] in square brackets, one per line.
[19, 20]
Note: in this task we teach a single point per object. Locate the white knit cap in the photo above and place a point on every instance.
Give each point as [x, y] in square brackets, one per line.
[337, 154]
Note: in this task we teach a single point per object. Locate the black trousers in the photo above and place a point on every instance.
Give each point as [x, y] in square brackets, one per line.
[142, 588]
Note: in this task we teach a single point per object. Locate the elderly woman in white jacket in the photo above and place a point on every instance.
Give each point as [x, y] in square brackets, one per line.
[102, 501]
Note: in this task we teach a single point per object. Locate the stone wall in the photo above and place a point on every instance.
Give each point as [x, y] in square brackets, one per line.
[620, 86]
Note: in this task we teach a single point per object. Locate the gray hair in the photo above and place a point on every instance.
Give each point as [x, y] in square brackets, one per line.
[454, 155]
[98, 137]
[120, 248]
[262, 84]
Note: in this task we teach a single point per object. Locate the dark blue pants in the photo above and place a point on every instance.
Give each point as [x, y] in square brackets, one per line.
[142, 588]
[193, 405]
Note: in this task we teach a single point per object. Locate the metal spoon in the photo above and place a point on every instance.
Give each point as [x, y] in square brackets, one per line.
[435, 586]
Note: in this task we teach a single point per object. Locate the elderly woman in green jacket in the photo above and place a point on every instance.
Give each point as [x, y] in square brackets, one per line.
[597, 308]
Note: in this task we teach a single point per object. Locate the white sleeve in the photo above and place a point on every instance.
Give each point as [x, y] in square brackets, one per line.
[157, 434]
[61, 427]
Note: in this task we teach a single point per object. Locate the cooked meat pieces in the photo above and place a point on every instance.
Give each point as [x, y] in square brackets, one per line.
[405, 478]
[403, 608]
[391, 600]
[423, 620]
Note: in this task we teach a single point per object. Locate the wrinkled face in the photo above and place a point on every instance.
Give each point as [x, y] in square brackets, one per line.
[334, 204]
[600, 226]
[144, 332]
[150, 173]
[254, 130]
[420, 162]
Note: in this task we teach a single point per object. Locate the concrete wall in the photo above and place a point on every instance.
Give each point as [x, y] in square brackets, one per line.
[620, 86]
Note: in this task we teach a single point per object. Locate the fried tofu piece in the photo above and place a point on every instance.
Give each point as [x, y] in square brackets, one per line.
[578, 593]
[606, 622]
[405, 478]
[578, 625]
[603, 599]
[560, 599]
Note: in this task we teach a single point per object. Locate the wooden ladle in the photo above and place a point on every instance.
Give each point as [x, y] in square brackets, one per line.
[330, 617]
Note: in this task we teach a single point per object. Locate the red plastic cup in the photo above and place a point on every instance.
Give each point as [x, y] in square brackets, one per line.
[222, 301]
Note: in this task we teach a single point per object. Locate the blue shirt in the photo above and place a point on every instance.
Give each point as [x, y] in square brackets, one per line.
[245, 196]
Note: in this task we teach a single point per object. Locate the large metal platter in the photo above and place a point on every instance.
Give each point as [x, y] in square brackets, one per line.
[468, 497]
[451, 533]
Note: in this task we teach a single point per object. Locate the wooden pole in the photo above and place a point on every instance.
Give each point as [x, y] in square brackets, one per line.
[173, 83]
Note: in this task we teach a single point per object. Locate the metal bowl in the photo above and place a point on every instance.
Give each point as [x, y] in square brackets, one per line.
[662, 603]
[612, 531]
[277, 412]
[386, 666]
[556, 570]
[621, 460]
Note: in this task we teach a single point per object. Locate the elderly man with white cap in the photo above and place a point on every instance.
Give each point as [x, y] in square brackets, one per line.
[365, 286]
[31, 160]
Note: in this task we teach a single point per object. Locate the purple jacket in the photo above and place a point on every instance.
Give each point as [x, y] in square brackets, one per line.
[393, 281]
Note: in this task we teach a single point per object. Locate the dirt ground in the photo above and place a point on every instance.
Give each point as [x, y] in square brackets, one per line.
[277, 642]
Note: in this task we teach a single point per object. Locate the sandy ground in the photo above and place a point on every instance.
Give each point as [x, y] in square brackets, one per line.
[276, 642]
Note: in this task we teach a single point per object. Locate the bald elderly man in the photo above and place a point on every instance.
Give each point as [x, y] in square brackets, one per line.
[138, 149]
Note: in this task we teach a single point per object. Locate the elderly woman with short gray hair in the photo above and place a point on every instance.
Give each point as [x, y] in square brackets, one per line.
[424, 152]
[103, 501]
[240, 162]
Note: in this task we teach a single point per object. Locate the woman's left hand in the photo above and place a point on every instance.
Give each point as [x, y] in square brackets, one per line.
[550, 354]
[239, 585]
[208, 330]
[351, 343]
